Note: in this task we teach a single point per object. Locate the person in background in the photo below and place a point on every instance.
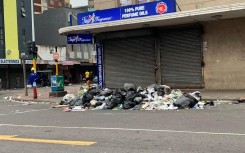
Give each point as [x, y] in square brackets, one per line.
[33, 77]
[87, 76]
[17, 81]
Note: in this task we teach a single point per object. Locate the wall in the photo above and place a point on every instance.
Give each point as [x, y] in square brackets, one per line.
[11, 29]
[224, 58]
[197, 4]
[2, 46]
[48, 24]
[45, 52]
[183, 4]
[24, 25]
[105, 4]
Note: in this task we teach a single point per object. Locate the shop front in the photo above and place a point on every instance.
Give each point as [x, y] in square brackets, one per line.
[165, 48]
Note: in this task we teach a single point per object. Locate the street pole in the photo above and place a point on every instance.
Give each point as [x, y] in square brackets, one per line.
[24, 72]
[34, 57]
[56, 63]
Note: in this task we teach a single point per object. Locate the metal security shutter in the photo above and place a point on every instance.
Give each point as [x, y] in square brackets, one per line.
[181, 58]
[129, 60]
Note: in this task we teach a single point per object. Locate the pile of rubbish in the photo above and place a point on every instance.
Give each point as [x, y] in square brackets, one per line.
[154, 97]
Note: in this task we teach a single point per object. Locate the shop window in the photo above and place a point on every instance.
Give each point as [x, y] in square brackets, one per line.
[51, 2]
[23, 3]
[24, 37]
[143, 1]
[126, 2]
[23, 12]
[1, 36]
[60, 4]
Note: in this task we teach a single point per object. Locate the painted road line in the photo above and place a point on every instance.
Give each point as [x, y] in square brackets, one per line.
[28, 111]
[126, 129]
[64, 142]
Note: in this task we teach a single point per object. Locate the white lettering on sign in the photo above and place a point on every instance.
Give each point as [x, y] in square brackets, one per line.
[6, 61]
[93, 19]
[132, 12]
[77, 39]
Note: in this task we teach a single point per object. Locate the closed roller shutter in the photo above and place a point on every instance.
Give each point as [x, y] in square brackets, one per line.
[129, 60]
[181, 58]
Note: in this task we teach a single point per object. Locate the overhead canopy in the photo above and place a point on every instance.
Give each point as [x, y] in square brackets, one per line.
[205, 14]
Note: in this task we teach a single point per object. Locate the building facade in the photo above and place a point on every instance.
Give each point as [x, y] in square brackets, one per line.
[15, 31]
[42, 5]
[73, 57]
[201, 45]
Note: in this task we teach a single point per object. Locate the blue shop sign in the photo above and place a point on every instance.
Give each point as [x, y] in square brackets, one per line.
[100, 66]
[128, 12]
[80, 39]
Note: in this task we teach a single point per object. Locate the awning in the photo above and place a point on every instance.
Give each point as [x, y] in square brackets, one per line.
[205, 14]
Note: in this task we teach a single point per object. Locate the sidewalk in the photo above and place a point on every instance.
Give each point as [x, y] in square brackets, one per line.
[43, 94]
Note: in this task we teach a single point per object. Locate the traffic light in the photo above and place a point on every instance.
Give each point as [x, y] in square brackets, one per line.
[32, 49]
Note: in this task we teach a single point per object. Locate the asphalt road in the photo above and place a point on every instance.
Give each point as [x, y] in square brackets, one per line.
[219, 129]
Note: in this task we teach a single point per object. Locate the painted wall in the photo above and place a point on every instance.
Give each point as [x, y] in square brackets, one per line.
[11, 29]
[197, 4]
[45, 52]
[47, 26]
[225, 56]
[24, 24]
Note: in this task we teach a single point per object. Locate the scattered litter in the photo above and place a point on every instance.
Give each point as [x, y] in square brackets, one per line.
[154, 97]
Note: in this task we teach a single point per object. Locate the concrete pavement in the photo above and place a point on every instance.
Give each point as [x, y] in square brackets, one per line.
[218, 129]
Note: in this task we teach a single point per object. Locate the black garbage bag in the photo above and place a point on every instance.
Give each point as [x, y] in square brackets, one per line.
[128, 104]
[137, 107]
[129, 87]
[138, 99]
[93, 91]
[160, 91]
[130, 95]
[111, 104]
[185, 101]
[87, 98]
[73, 101]
[106, 92]
[117, 97]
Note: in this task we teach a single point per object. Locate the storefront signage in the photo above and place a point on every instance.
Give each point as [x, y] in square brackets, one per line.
[8, 61]
[80, 39]
[38, 62]
[128, 12]
[100, 67]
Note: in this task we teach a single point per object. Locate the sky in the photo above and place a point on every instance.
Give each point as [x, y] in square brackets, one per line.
[76, 3]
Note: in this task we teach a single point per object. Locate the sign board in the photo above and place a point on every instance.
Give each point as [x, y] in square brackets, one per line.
[100, 67]
[56, 56]
[9, 61]
[80, 39]
[127, 12]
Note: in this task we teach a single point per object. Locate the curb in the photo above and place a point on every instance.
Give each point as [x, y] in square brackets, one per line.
[217, 101]
[35, 101]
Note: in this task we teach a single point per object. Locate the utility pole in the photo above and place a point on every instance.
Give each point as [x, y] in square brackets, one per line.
[24, 72]
[34, 48]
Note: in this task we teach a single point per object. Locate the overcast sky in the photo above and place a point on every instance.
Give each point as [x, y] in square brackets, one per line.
[76, 3]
